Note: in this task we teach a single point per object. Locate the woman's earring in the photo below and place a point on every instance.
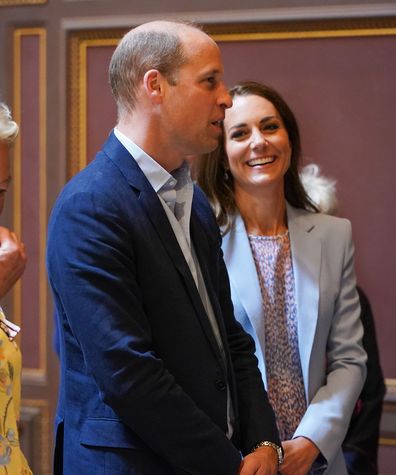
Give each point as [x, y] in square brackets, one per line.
[226, 175]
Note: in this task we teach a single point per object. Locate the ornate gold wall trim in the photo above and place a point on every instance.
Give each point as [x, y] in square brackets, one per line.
[388, 442]
[42, 457]
[17, 195]
[286, 35]
[10, 3]
[390, 397]
[80, 40]
[279, 30]
[78, 45]
[388, 434]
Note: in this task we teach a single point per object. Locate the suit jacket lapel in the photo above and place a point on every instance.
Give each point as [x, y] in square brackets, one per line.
[156, 214]
[306, 257]
[203, 253]
[149, 201]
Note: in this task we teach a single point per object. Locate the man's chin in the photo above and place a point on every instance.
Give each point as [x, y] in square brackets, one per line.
[212, 145]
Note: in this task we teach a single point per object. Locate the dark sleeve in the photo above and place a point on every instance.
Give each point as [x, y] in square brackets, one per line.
[361, 441]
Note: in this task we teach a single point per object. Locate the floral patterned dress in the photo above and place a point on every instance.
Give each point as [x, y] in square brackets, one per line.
[12, 460]
[272, 256]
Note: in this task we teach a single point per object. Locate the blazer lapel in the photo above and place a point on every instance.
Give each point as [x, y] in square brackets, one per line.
[245, 283]
[306, 257]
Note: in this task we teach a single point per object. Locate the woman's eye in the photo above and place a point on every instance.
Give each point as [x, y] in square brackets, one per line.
[271, 127]
[237, 134]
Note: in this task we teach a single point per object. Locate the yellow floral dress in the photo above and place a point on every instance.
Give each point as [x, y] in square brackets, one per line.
[12, 460]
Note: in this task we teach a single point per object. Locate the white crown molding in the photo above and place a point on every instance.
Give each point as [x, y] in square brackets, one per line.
[239, 16]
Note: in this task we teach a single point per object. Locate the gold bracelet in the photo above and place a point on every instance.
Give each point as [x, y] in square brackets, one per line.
[267, 443]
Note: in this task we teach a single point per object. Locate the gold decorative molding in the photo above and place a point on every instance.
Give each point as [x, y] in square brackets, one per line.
[390, 396]
[80, 40]
[387, 441]
[19, 34]
[11, 3]
[35, 417]
[388, 434]
[308, 29]
[287, 35]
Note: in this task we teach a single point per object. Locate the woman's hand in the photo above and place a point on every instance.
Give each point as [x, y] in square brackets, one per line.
[12, 259]
[300, 454]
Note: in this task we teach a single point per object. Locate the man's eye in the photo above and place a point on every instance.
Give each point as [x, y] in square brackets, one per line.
[211, 80]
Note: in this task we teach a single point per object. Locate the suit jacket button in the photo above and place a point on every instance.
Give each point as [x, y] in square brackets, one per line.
[220, 385]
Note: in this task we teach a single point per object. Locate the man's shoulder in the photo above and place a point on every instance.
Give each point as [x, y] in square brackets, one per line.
[99, 174]
[204, 212]
[202, 207]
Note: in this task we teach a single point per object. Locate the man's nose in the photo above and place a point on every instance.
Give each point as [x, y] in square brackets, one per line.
[225, 99]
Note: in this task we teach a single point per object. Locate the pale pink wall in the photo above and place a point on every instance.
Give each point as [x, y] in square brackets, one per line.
[343, 91]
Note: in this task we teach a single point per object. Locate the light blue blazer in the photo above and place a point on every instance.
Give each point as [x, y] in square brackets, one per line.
[329, 327]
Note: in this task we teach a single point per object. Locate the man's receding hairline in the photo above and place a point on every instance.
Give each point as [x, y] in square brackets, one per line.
[164, 26]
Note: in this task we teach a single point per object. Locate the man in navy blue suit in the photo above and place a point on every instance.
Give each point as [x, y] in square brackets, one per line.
[157, 377]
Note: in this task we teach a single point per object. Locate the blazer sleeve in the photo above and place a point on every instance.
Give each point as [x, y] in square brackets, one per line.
[92, 270]
[328, 414]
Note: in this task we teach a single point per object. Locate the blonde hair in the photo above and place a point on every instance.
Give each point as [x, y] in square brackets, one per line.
[8, 128]
[320, 189]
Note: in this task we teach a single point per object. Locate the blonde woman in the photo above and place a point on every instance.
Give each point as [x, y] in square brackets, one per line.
[12, 265]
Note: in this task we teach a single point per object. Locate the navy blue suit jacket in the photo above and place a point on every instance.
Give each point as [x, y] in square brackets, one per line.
[143, 384]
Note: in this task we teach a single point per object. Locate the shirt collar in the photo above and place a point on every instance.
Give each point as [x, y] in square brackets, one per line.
[155, 174]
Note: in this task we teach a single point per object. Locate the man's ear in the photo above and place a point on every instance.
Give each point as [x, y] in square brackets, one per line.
[153, 82]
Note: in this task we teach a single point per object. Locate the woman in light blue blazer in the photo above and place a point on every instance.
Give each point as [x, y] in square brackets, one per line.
[292, 279]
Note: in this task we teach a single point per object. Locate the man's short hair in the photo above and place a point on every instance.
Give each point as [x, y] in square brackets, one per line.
[135, 55]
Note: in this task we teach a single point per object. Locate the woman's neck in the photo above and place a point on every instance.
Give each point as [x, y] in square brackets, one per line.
[264, 214]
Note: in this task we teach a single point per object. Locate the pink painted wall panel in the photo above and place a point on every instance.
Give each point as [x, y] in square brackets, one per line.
[101, 109]
[30, 127]
[343, 91]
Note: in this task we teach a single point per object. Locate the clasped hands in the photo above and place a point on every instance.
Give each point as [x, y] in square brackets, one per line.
[12, 260]
[300, 453]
